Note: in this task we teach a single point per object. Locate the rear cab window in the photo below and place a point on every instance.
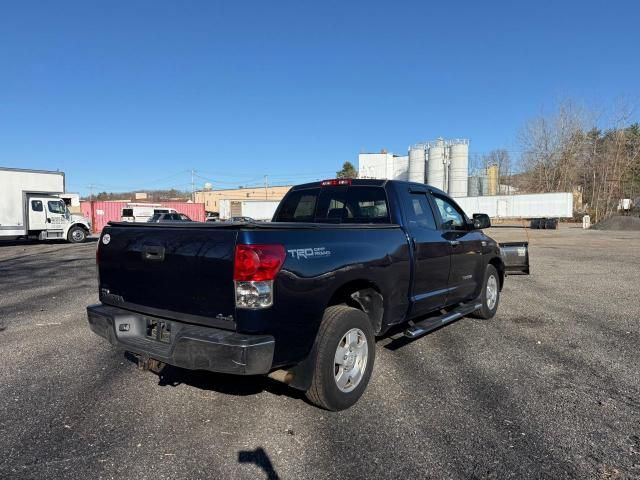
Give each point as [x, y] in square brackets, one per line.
[336, 204]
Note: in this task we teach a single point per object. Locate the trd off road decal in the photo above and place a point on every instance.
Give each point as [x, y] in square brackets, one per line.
[307, 253]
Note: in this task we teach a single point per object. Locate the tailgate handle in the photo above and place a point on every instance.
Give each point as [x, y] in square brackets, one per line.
[153, 253]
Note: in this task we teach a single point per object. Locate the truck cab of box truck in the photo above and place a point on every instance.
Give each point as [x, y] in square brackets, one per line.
[50, 219]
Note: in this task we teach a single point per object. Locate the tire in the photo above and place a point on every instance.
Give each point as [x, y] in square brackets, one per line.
[77, 235]
[341, 323]
[491, 282]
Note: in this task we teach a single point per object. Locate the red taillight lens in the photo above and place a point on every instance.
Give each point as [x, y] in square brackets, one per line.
[257, 262]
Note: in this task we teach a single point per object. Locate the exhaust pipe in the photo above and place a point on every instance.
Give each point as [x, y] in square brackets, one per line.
[283, 376]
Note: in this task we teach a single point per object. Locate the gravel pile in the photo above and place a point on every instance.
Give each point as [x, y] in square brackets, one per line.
[626, 223]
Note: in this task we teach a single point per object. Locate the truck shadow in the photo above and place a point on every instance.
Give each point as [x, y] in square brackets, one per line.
[24, 242]
[170, 376]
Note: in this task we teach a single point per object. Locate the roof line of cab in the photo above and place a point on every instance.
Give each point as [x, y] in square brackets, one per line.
[372, 182]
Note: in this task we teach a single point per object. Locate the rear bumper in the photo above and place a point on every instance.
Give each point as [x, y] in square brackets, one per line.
[183, 345]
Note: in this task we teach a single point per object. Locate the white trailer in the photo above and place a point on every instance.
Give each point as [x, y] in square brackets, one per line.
[538, 205]
[260, 210]
[31, 206]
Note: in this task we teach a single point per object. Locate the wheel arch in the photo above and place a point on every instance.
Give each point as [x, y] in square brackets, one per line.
[498, 264]
[364, 295]
[77, 224]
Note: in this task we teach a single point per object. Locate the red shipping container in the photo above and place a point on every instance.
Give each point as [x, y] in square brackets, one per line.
[100, 213]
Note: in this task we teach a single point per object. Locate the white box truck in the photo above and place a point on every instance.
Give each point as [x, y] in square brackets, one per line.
[30, 206]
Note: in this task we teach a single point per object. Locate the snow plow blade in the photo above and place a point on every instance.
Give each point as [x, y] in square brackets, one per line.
[515, 256]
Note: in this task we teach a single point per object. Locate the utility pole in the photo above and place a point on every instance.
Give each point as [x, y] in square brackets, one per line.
[266, 187]
[193, 185]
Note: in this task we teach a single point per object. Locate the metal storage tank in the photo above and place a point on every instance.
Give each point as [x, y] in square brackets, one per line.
[492, 174]
[483, 181]
[458, 168]
[474, 188]
[417, 163]
[436, 165]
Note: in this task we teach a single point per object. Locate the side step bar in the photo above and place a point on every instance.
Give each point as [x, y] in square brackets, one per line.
[425, 326]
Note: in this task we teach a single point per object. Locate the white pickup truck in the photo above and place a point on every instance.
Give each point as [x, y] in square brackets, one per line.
[30, 206]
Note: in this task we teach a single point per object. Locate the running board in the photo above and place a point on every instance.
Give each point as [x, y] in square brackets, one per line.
[425, 326]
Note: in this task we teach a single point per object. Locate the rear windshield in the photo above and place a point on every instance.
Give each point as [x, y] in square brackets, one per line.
[354, 204]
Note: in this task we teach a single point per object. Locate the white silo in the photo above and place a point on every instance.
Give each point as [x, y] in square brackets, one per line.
[437, 158]
[458, 168]
[417, 163]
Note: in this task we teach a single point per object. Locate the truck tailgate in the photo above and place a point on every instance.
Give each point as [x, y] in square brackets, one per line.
[182, 273]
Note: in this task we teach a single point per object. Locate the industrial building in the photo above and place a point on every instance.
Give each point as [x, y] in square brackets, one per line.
[441, 163]
[211, 198]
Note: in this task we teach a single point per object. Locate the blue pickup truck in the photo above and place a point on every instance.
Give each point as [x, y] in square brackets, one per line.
[301, 298]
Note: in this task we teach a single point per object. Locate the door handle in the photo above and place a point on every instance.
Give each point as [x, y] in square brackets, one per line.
[454, 243]
[153, 253]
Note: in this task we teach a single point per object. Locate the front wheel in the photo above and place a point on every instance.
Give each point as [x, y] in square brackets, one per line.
[77, 235]
[345, 352]
[490, 295]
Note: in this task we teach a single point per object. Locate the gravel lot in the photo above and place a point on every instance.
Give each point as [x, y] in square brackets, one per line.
[548, 389]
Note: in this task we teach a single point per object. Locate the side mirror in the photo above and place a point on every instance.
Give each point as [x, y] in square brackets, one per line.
[481, 221]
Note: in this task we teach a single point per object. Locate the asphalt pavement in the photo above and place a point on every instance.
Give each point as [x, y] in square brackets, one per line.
[549, 388]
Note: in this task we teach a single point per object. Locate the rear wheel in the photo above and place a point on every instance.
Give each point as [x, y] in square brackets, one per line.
[490, 295]
[345, 352]
[77, 235]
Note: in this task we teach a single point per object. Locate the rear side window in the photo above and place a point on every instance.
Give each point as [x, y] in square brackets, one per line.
[36, 205]
[355, 204]
[418, 211]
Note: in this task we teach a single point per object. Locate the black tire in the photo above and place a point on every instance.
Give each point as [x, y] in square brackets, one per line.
[485, 312]
[337, 321]
[77, 235]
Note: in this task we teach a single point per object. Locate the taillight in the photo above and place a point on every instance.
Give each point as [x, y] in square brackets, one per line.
[254, 268]
[335, 182]
[257, 262]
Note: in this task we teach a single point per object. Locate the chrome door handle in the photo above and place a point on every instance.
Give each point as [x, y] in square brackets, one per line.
[454, 243]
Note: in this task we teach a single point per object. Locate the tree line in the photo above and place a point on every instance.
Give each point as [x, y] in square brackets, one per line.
[575, 150]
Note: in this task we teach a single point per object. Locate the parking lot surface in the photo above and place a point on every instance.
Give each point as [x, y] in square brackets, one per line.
[550, 388]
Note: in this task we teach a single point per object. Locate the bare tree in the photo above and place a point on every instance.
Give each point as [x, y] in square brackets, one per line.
[567, 151]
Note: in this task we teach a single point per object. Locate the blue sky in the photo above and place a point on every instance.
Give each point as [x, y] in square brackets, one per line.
[134, 94]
